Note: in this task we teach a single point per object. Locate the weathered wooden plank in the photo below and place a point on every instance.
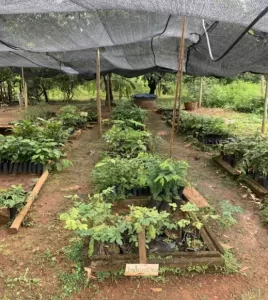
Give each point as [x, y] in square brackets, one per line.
[226, 167]
[259, 190]
[193, 196]
[174, 262]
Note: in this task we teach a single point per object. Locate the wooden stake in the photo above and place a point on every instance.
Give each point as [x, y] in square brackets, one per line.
[178, 86]
[24, 89]
[98, 99]
[22, 214]
[264, 120]
[108, 93]
[142, 246]
[200, 93]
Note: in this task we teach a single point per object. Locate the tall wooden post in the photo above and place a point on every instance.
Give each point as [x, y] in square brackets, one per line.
[200, 93]
[98, 99]
[24, 89]
[178, 86]
[108, 93]
[262, 85]
[264, 120]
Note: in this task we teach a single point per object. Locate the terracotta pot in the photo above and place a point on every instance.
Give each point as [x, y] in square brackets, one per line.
[190, 105]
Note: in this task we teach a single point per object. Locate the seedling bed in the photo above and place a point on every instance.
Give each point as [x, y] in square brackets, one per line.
[27, 181]
[210, 257]
[258, 189]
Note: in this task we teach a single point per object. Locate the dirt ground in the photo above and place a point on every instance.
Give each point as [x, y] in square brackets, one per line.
[9, 114]
[32, 261]
[26, 180]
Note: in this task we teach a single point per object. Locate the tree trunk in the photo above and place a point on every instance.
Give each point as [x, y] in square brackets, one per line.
[110, 88]
[200, 93]
[264, 120]
[106, 90]
[9, 91]
[5, 92]
[45, 94]
[152, 85]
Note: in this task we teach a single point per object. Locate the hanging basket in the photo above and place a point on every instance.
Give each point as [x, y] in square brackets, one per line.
[190, 105]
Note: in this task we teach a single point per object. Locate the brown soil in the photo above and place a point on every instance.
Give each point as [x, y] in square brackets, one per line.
[27, 181]
[9, 114]
[40, 248]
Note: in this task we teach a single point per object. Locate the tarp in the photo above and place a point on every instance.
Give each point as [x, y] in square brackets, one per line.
[134, 36]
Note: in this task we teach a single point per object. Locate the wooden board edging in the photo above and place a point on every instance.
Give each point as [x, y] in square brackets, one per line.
[14, 228]
[226, 167]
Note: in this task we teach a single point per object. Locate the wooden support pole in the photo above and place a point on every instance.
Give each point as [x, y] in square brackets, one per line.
[178, 86]
[24, 89]
[142, 246]
[22, 214]
[264, 120]
[108, 93]
[200, 93]
[98, 99]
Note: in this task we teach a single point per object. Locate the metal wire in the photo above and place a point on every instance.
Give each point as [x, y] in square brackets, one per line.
[262, 14]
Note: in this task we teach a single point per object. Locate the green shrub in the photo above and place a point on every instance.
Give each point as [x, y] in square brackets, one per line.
[71, 117]
[121, 173]
[15, 196]
[163, 176]
[238, 95]
[201, 126]
[25, 150]
[125, 111]
[125, 141]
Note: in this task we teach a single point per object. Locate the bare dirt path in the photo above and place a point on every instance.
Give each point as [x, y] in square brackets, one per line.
[40, 248]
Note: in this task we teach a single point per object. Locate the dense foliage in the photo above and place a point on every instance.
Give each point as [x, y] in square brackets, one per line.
[126, 111]
[126, 141]
[18, 149]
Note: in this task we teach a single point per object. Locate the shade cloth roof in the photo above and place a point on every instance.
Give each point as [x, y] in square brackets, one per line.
[135, 36]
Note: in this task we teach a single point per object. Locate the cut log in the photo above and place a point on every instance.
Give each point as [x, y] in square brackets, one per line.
[21, 215]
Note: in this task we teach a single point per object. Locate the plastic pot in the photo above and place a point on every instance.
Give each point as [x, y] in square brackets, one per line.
[13, 212]
[19, 168]
[14, 168]
[164, 206]
[153, 203]
[10, 167]
[5, 167]
[34, 168]
[25, 167]
[39, 169]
